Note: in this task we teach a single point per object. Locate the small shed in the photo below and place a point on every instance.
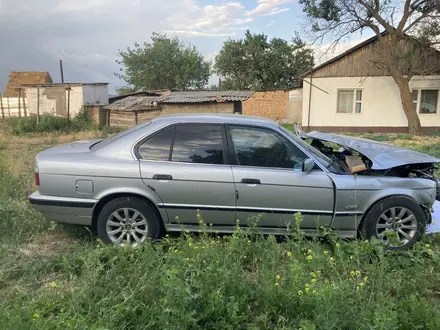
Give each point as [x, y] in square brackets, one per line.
[63, 98]
[136, 109]
[204, 102]
[132, 110]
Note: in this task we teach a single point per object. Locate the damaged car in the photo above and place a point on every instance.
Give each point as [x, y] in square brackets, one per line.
[167, 174]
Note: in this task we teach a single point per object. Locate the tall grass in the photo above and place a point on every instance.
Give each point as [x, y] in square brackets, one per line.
[51, 123]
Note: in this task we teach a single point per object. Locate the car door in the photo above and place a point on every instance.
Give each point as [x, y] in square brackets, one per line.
[185, 164]
[271, 184]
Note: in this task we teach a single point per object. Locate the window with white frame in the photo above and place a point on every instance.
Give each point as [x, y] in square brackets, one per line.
[425, 100]
[349, 101]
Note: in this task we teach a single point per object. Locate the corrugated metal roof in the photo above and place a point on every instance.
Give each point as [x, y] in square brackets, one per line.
[134, 103]
[64, 84]
[205, 96]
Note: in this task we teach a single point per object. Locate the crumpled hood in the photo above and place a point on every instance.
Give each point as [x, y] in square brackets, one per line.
[382, 155]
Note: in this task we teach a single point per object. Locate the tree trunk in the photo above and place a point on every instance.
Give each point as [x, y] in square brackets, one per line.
[414, 126]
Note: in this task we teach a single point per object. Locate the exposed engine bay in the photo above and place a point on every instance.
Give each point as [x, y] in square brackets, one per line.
[352, 161]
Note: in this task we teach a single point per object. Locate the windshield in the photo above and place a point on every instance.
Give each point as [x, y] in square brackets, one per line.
[103, 143]
[323, 159]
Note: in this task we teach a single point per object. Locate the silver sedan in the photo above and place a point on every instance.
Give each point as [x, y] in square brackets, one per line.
[158, 176]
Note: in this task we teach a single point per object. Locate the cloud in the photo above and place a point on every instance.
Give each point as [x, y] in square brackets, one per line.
[270, 23]
[268, 8]
[214, 21]
[86, 34]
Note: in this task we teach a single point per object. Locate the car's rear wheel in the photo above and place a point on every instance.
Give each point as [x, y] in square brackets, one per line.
[128, 221]
[398, 221]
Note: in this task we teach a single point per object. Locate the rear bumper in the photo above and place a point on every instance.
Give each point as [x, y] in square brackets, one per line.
[64, 209]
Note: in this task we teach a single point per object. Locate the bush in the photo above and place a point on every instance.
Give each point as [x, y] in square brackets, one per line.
[51, 123]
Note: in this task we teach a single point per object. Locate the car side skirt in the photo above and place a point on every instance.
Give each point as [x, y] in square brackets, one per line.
[262, 230]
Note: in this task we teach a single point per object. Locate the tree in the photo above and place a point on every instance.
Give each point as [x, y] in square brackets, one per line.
[163, 64]
[406, 31]
[125, 90]
[257, 63]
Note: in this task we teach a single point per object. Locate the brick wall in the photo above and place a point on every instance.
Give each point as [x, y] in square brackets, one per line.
[269, 104]
[169, 109]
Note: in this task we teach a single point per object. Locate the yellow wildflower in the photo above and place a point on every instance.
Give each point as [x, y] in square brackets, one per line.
[278, 277]
[53, 285]
[309, 251]
[249, 241]
[187, 259]
[313, 280]
[338, 245]
[190, 244]
[309, 258]
[276, 284]
[167, 235]
[300, 293]
[36, 316]
[429, 250]
[428, 246]
[325, 252]
[332, 259]
[289, 254]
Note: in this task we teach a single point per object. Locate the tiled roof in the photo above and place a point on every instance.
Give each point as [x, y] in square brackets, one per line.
[205, 96]
[134, 103]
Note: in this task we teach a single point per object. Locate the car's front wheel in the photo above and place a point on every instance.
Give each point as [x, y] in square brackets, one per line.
[128, 221]
[397, 221]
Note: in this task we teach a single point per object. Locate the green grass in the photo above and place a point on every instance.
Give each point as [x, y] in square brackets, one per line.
[62, 277]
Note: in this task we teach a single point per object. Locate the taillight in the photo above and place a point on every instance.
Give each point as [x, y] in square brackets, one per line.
[37, 177]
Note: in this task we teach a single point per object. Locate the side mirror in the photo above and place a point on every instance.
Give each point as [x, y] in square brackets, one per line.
[308, 165]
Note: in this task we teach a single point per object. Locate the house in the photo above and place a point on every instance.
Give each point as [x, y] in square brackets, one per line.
[64, 98]
[350, 94]
[136, 109]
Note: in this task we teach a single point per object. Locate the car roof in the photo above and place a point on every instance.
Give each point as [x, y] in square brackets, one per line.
[213, 118]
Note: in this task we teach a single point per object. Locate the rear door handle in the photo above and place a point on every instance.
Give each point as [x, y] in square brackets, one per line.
[162, 177]
[250, 181]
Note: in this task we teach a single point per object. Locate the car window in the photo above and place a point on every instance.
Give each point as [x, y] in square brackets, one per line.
[264, 148]
[198, 144]
[157, 147]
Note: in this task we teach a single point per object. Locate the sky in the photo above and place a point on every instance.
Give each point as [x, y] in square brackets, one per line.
[86, 34]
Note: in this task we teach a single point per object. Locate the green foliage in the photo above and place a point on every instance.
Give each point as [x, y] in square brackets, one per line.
[51, 123]
[258, 63]
[125, 90]
[165, 63]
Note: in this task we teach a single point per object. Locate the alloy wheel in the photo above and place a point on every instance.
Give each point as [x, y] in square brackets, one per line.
[127, 226]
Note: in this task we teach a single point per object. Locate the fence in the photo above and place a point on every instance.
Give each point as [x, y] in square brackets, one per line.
[13, 107]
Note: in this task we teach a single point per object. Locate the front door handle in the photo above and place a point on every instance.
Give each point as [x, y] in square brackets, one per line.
[162, 177]
[250, 181]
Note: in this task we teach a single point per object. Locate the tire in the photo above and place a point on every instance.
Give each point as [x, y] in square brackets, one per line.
[144, 222]
[408, 230]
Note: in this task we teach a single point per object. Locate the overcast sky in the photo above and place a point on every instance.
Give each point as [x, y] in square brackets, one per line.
[86, 34]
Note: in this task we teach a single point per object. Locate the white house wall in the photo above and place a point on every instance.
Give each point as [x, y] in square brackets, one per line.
[381, 103]
[53, 100]
[95, 94]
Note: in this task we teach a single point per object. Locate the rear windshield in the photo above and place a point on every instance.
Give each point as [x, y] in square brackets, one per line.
[103, 143]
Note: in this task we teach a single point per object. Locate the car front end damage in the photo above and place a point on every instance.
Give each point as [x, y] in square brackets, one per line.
[363, 157]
